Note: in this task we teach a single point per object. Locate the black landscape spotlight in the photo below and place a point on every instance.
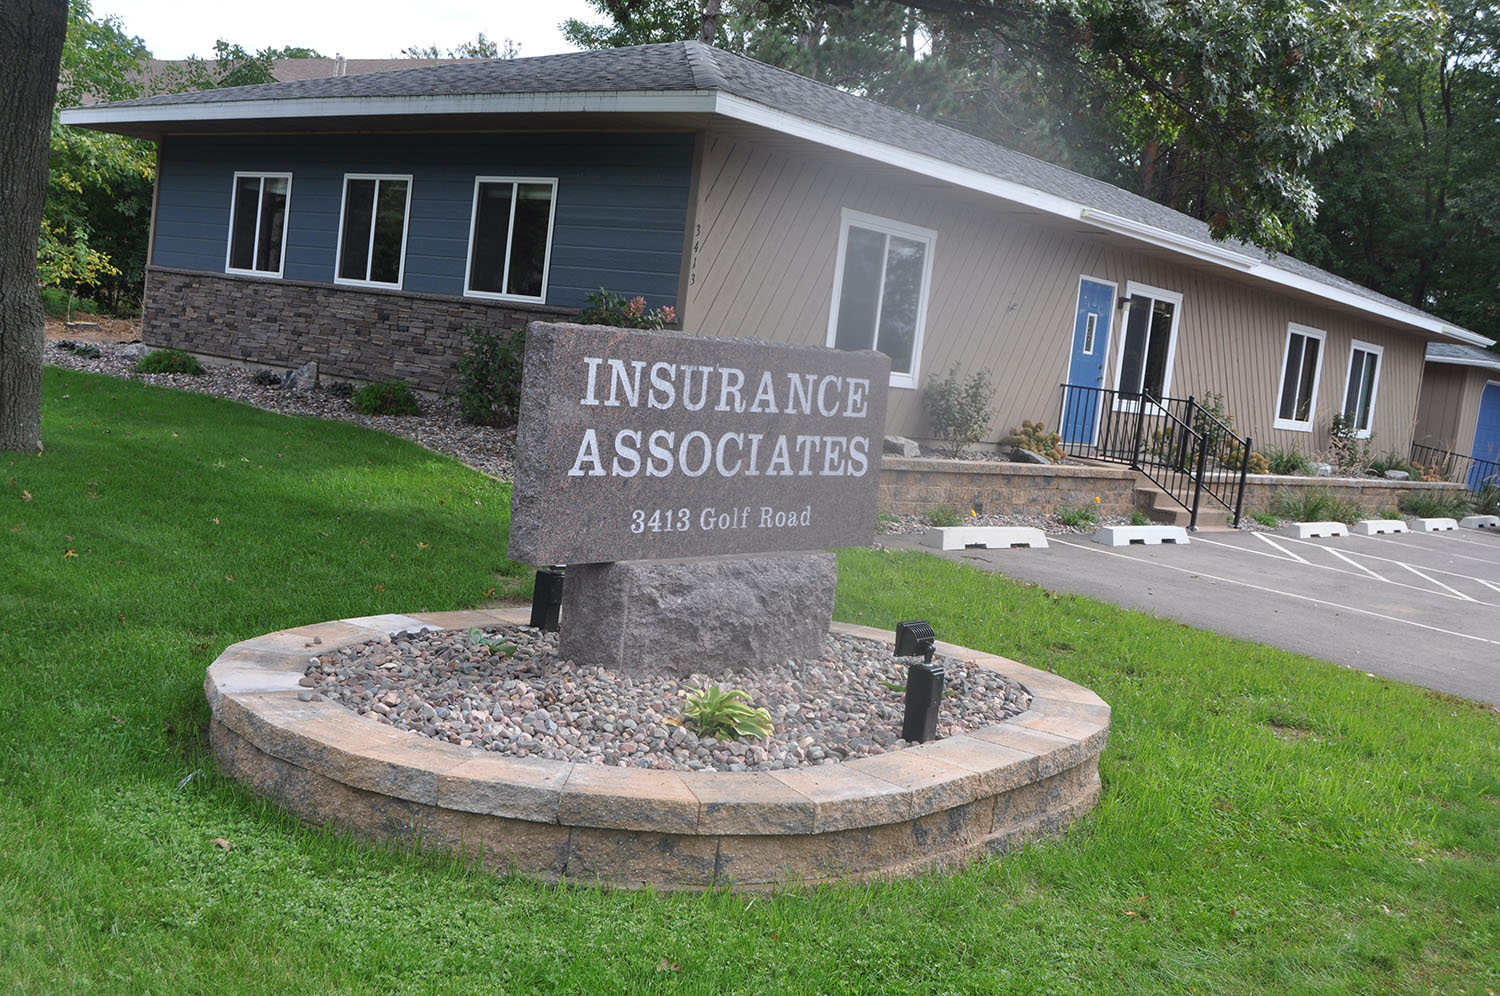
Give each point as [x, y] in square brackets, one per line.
[924, 681]
[546, 599]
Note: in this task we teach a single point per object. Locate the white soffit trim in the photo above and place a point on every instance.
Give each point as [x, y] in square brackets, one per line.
[750, 112]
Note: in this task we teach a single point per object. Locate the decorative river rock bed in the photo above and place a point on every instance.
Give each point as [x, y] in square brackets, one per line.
[444, 685]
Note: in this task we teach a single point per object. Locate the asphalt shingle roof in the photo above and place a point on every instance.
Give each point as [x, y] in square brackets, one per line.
[1452, 352]
[692, 66]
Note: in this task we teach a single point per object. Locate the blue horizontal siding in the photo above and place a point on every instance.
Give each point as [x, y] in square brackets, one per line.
[621, 203]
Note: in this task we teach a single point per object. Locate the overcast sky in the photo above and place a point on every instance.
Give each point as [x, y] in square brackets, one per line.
[369, 29]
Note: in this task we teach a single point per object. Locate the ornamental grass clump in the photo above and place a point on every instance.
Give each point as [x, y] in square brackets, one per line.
[1314, 505]
[168, 361]
[726, 715]
[1435, 506]
[388, 397]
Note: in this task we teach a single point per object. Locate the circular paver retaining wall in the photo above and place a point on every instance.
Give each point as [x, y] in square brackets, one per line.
[894, 814]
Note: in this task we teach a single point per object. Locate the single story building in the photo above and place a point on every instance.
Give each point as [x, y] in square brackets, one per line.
[362, 221]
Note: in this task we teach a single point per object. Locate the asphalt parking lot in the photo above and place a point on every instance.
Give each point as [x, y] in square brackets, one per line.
[1417, 607]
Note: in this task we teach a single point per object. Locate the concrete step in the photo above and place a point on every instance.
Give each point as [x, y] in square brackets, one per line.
[1161, 508]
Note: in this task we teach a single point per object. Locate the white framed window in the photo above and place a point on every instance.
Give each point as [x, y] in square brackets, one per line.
[257, 223]
[510, 238]
[1361, 385]
[1301, 365]
[1148, 347]
[880, 286]
[372, 230]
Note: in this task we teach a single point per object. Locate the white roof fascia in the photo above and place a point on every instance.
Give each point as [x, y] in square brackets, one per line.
[751, 112]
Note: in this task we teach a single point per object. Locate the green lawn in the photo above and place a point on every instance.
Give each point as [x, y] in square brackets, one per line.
[1270, 824]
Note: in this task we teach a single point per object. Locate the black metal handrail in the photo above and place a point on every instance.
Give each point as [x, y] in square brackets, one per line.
[1183, 448]
[1472, 472]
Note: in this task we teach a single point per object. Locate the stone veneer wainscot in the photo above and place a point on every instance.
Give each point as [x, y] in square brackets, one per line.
[359, 334]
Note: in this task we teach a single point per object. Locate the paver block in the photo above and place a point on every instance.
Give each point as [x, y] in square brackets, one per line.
[987, 537]
[1133, 535]
[1375, 527]
[1480, 522]
[1313, 530]
[1433, 525]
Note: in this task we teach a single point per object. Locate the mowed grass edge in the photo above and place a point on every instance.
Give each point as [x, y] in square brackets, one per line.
[1269, 823]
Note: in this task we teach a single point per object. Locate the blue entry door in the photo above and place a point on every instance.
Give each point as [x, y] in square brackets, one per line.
[1486, 437]
[1091, 322]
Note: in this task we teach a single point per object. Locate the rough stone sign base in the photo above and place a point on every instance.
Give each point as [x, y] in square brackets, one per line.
[678, 615]
[683, 479]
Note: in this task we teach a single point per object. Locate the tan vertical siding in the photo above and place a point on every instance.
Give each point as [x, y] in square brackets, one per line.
[1440, 406]
[1003, 294]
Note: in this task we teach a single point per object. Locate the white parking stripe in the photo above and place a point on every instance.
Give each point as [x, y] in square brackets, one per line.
[1266, 539]
[1440, 584]
[1094, 548]
[1339, 570]
[1440, 537]
[1402, 563]
[1354, 563]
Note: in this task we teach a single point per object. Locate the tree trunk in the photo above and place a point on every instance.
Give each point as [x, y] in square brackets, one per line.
[31, 36]
[710, 28]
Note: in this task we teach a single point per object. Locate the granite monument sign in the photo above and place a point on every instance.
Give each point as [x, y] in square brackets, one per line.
[687, 483]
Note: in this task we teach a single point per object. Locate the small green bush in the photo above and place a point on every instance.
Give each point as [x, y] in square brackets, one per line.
[1425, 505]
[86, 351]
[604, 307]
[1139, 518]
[489, 376]
[943, 517]
[1080, 516]
[341, 389]
[959, 411]
[55, 304]
[1288, 462]
[1036, 437]
[1266, 519]
[168, 361]
[388, 397]
[1392, 461]
[266, 378]
[1314, 505]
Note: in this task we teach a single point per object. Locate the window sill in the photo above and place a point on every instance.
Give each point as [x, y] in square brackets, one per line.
[1291, 426]
[262, 274]
[346, 282]
[511, 298]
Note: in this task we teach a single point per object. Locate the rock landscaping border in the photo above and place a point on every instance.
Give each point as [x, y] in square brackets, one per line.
[936, 805]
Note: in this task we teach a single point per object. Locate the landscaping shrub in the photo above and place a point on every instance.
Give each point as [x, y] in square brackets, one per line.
[1487, 500]
[1314, 505]
[943, 517]
[341, 389]
[958, 411]
[266, 378]
[1426, 505]
[489, 376]
[608, 308]
[388, 397]
[1266, 519]
[86, 351]
[1078, 517]
[1288, 462]
[1346, 451]
[1139, 518]
[55, 303]
[1036, 437]
[167, 361]
[1393, 461]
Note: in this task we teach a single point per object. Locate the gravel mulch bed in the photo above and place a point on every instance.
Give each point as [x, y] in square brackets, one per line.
[845, 704]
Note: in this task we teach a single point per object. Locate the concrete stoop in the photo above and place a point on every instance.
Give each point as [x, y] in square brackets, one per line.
[1160, 508]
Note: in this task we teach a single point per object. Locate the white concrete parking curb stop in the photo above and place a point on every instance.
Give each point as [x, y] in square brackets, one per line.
[1313, 530]
[988, 537]
[1433, 525]
[1480, 522]
[1148, 535]
[1374, 527]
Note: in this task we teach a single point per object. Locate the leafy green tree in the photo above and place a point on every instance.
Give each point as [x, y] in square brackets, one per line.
[1216, 109]
[1411, 198]
[232, 65]
[94, 227]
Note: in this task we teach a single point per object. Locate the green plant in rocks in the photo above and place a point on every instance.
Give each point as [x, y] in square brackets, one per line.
[726, 715]
[500, 647]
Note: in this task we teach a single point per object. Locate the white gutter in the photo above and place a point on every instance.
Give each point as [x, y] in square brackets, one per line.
[1462, 362]
[739, 109]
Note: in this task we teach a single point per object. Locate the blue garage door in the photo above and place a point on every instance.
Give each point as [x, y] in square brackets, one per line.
[1487, 437]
